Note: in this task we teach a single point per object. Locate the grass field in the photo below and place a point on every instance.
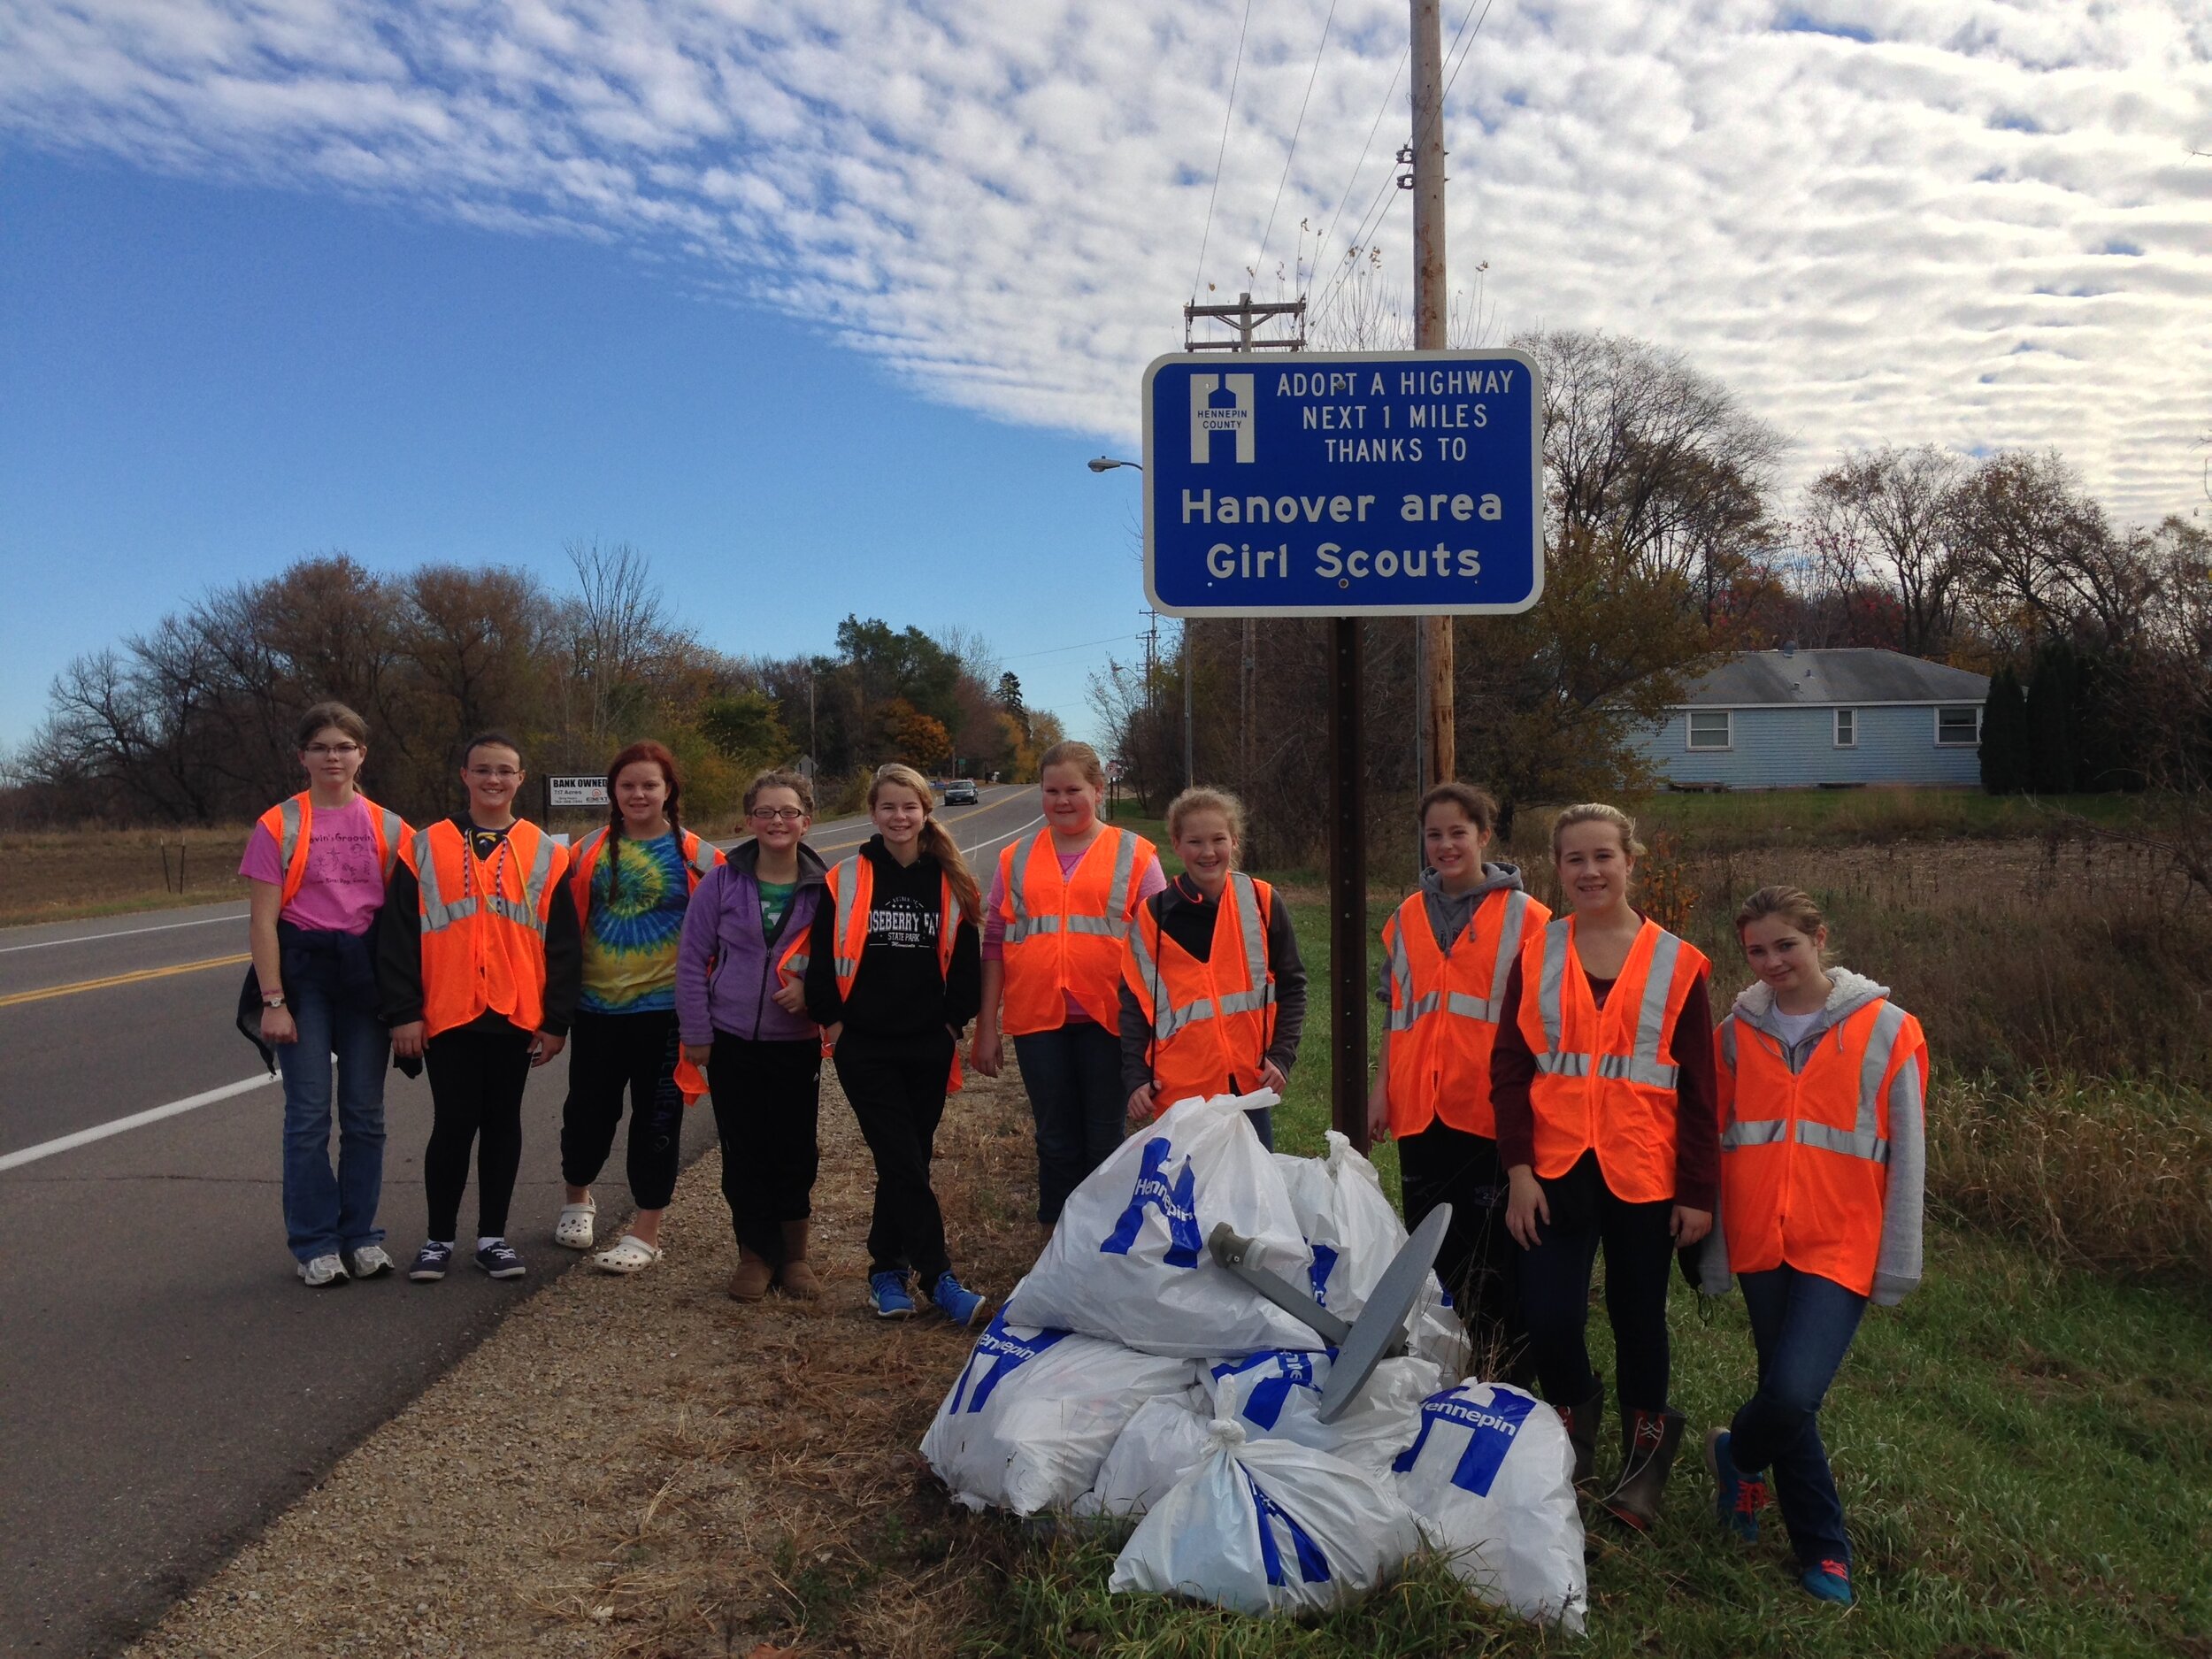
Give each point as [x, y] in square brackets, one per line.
[54, 876]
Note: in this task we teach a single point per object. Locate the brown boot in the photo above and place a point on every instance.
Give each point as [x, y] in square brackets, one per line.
[1581, 1422]
[1649, 1440]
[750, 1283]
[794, 1278]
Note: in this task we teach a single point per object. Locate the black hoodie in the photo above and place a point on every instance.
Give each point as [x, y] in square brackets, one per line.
[898, 991]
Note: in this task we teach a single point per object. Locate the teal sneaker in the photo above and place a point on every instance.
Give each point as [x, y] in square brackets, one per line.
[1736, 1497]
[1829, 1580]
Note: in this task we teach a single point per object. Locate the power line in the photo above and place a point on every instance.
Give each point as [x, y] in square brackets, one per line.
[1296, 128]
[1236, 70]
[1361, 161]
[1111, 638]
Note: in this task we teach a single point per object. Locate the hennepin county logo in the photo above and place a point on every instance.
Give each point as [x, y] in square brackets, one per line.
[1220, 403]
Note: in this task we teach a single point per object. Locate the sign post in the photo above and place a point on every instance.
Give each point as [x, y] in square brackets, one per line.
[1345, 485]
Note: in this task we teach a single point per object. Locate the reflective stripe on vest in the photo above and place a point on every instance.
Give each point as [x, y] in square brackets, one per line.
[1406, 1009]
[1864, 1139]
[1643, 1065]
[438, 914]
[1168, 1017]
[1113, 924]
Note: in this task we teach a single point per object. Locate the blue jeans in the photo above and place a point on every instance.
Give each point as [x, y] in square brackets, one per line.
[1073, 1076]
[334, 1010]
[1801, 1325]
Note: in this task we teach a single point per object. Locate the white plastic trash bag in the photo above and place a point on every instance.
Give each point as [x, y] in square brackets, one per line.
[1034, 1413]
[1436, 1335]
[1491, 1478]
[1347, 1221]
[1129, 1261]
[1278, 1393]
[1266, 1527]
[1159, 1446]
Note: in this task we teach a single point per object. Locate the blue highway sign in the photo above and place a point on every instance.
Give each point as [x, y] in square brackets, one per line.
[1386, 483]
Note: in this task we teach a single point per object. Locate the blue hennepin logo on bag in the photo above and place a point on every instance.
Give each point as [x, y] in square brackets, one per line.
[1495, 1428]
[1313, 1566]
[1177, 1201]
[1323, 1264]
[1264, 1404]
[998, 1353]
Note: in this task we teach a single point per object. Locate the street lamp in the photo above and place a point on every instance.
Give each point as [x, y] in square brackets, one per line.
[1107, 464]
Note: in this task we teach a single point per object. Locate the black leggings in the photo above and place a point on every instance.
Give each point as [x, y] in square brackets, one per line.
[896, 1086]
[477, 1077]
[1555, 1290]
[608, 1054]
[767, 1098]
[1444, 1165]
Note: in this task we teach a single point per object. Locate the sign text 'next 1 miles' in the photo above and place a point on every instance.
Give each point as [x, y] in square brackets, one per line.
[1343, 484]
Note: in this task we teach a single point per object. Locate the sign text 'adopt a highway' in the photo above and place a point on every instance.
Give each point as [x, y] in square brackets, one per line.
[1344, 484]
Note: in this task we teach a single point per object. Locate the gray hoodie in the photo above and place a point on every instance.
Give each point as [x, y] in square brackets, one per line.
[1450, 912]
[1897, 1267]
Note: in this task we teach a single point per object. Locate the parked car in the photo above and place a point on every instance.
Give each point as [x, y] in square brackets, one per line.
[961, 789]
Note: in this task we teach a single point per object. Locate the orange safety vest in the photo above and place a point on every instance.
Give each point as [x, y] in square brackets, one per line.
[1213, 1020]
[1444, 1009]
[1064, 935]
[291, 824]
[483, 924]
[1804, 1164]
[699, 857]
[1602, 1081]
[852, 889]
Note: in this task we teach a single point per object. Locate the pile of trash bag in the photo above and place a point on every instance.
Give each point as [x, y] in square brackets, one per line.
[1130, 1374]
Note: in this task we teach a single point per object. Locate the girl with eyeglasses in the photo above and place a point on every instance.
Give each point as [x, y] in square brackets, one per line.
[320, 864]
[750, 1029]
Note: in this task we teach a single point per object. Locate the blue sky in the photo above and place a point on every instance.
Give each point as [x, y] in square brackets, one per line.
[208, 380]
[822, 302]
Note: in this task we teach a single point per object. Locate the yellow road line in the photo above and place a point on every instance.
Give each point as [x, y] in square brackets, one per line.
[123, 979]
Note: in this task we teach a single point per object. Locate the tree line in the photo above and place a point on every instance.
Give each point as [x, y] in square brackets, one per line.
[191, 721]
[1669, 544]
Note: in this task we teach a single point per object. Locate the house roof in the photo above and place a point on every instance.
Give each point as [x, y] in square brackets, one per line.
[1816, 679]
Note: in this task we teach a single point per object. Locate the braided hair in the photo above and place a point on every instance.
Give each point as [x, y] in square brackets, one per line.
[645, 749]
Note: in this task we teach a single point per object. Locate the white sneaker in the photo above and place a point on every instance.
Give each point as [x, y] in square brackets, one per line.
[369, 1262]
[324, 1272]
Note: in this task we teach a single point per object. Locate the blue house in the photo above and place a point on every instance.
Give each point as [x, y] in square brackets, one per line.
[1799, 719]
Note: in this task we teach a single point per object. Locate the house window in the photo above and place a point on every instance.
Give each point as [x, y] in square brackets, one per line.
[1958, 728]
[1846, 728]
[1711, 728]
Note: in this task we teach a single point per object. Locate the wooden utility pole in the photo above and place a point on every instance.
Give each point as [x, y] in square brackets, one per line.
[1433, 636]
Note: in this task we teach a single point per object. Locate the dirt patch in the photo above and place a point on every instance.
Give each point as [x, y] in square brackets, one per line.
[53, 877]
[643, 1467]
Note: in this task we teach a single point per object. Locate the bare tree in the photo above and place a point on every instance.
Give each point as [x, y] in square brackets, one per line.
[1887, 517]
[620, 628]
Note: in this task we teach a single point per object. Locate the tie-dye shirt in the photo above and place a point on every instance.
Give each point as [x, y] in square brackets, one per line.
[639, 893]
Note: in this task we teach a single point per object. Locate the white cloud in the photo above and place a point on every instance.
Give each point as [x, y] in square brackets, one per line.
[1856, 212]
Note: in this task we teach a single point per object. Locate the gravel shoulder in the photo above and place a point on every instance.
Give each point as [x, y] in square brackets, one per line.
[642, 1466]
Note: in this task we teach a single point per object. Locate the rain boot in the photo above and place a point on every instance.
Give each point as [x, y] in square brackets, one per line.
[1581, 1423]
[794, 1278]
[1649, 1440]
[750, 1283]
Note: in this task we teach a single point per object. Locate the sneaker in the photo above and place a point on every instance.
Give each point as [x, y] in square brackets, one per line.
[431, 1263]
[886, 1295]
[955, 1300]
[1829, 1581]
[369, 1262]
[1736, 1497]
[499, 1260]
[324, 1272]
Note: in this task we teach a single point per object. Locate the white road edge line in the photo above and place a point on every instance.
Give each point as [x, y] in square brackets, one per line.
[996, 840]
[120, 933]
[101, 1131]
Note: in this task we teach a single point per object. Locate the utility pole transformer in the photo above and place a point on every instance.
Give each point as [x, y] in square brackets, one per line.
[1433, 637]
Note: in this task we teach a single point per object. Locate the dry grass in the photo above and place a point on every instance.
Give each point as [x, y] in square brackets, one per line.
[642, 1468]
[53, 876]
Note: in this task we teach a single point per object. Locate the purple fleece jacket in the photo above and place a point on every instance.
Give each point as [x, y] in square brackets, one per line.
[726, 966]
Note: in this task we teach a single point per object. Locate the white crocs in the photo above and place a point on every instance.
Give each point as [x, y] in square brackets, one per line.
[631, 1255]
[573, 1229]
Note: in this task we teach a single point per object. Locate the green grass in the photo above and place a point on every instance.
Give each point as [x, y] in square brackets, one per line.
[2024, 1449]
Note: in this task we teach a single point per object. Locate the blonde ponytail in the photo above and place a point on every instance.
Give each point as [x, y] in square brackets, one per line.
[936, 839]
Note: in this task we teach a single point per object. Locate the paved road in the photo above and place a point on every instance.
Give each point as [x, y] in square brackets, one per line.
[166, 1386]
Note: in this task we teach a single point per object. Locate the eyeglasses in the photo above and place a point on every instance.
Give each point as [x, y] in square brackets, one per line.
[778, 814]
[342, 750]
[495, 771]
